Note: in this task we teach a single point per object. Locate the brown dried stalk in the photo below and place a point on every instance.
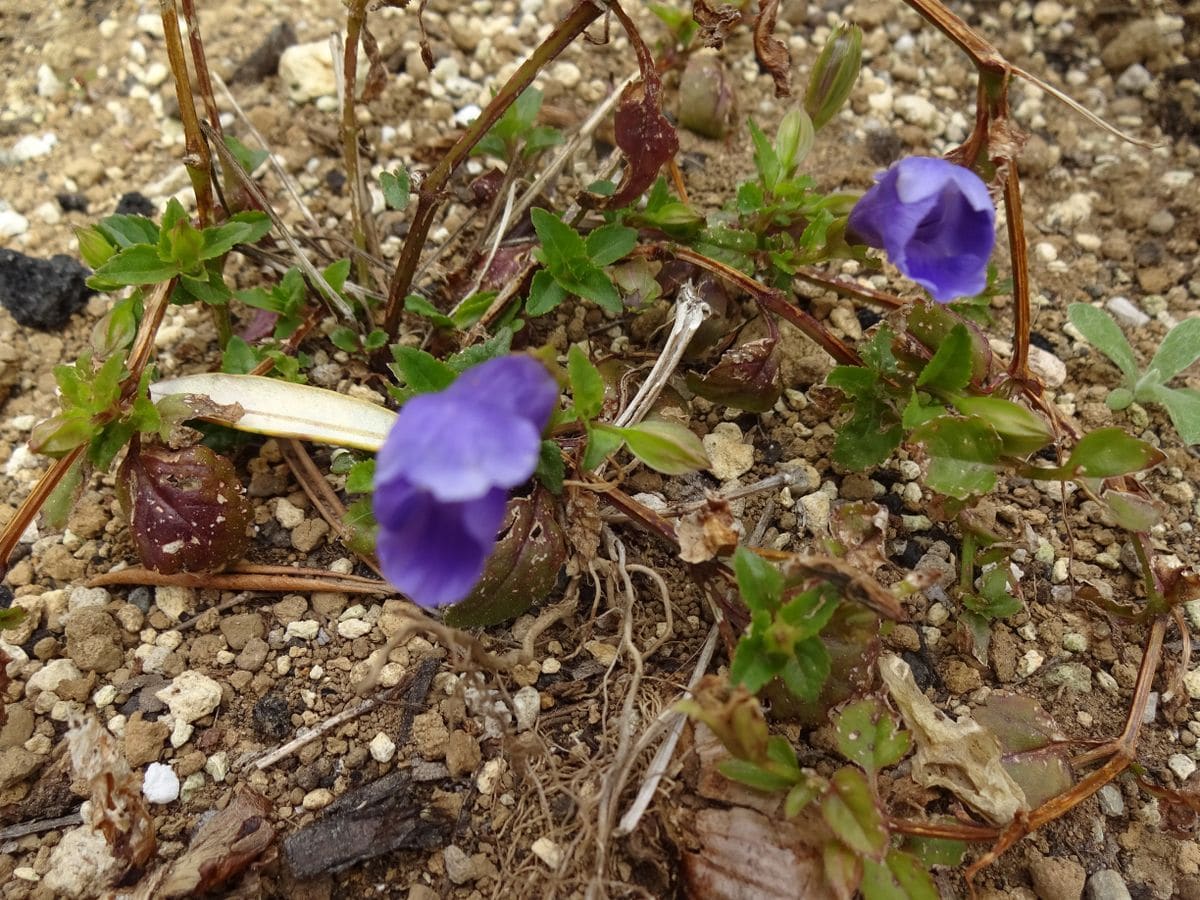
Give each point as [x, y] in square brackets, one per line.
[197, 159]
[249, 577]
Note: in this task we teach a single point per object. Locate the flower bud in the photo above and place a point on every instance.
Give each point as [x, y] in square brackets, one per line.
[793, 140]
[706, 96]
[834, 74]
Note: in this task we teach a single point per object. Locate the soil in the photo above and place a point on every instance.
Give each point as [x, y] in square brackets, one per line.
[500, 773]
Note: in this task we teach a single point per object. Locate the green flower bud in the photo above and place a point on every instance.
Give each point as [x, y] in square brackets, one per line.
[834, 74]
[794, 140]
[706, 96]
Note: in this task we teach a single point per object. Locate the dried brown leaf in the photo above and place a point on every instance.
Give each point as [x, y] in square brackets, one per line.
[746, 377]
[707, 532]
[377, 74]
[715, 21]
[772, 53]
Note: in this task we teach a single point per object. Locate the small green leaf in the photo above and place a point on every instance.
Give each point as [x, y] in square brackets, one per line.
[395, 187]
[602, 443]
[866, 440]
[544, 294]
[239, 357]
[842, 868]
[472, 308]
[1183, 406]
[243, 228]
[94, 247]
[139, 264]
[753, 775]
[666, 446]
[799, 797]
[498, 344]
[1179, 349]
[592, 283]
[248, 159]
[361, 478]
[753, 665]
[1021, 431]
[345, 339]
[1109, 452]
[850, 812]
[869, 736]
[587, 387]
[806, 671]
[421, 371]
[759, 582]
[793, 139]
[766, 161]
[950, 368]
[1133, 512]
[962, 455]
[125, 231]
[936, 851]
[561, 244]
[608, 243]
[1101, 330]
[550, 469]
[899, 877]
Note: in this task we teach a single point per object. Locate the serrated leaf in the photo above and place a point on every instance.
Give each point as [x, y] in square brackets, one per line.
[545, 294]
[287, 409]
[1110, 451]
[421, 371]
[666, 446]
[962, 455]
[805, 673]
[608, 243]
[522, 570]
[593, 284]
[187, 509]
[561, 244]
[865, 441]
[759, 582]
[867, 735]
[139, 264]
[753, 664]
[950, 368]
[361, 477]
[1101, 331]
[850, 812]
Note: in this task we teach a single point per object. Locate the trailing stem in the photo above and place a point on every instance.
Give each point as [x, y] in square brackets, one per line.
[429, 195]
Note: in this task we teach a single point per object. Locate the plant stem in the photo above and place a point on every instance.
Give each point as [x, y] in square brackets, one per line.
[199, 165]
[364, 232]
[430, 192]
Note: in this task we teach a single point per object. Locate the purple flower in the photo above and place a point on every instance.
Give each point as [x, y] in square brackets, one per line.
[442, 476]
[936, 222]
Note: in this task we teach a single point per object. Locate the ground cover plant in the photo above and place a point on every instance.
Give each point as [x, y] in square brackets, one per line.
[512, 445]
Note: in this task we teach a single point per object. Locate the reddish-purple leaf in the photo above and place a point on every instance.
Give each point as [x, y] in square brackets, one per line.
[772, 53]
[746, 377]
[187, 510]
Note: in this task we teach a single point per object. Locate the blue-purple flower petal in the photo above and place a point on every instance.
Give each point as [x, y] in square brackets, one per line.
[936, 222]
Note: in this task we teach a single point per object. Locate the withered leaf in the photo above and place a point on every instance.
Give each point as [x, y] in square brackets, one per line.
[772, 53]
[187, 509]
[715, 21]
[522, 570]
[221, 849]
[746, 377]
[377, 74]
[707, 532]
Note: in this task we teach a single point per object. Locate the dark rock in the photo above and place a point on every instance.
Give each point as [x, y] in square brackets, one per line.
[884, 145]
[264, 61]
[41, 293]
[135, 204]
[141, 597]
[273, 717]
[72, 202]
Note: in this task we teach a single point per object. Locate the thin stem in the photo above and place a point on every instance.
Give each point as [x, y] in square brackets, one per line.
[197, 160]
[430, 193]
[364, 233]
[850, 289]
[200, 61]
[1015, 217]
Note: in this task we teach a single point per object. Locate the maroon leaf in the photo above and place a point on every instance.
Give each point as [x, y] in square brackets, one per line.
[523, 569]
[643, 133]
[746, 377]
[187, 510]
[772, 53]
[715, 23]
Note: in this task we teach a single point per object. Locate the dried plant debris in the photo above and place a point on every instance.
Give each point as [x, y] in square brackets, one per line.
[963, 757]
[707, 532]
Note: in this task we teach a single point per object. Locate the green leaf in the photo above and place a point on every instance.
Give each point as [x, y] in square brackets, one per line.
[1109, 452]
[806, 672]
[666, 446]
[1021, 431]
[587, 387]
[1179, 349]
[759, 582]
[361, 478]
[498, 344]
[139, 264]
[540, 138]
[962, 455]
[753, 775]
[868, 735]
[396, 188]
[899, 877]
[420, 371]
[544, 294]
[1183, 406]
[336, 274]
[842, 868]
[561, 244]
[753, 665]
[950, 368]
[60, 434]
[766, 161]
[239, 357]
[550, 469]
[94, 247]
[125, 231]
[1101, 330]
[799, 797]
[345, 339]
[248, 159]
[936, 851]
[242, 228]
[591, 283]
[793, 139]
[865, 440]
[472, 308]
[917, 413]
[602, 443]
[608, 243]
[850, 812]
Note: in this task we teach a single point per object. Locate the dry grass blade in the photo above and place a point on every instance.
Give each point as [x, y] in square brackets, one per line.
[249, 578]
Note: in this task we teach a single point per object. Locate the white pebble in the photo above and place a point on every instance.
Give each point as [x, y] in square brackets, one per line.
[1126, 312]
[382, 748]
[1030, 663]
[526, 706]
[1182, 765]
[160, 784]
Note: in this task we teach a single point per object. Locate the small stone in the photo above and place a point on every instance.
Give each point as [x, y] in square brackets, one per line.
[81, 865]
[174, 601]
[143, 740]
[1056, 877]
[548, 852]
[1047, 13]
[1181, 765]
[352, 629]
[303, 629]
[729, 456]
[1074, 642]
[217, 766]
[288, 515]
[1107, 884]
[1107, 683]
[1191, 684]
[1162, 222]
[460, 868]
[51, 675]
[603, 653]
[1112, 804]
[306, 70]
[462, 754]
[40, 293]
[526, 706]
[308, 535]
[430, 735]
[1074, 677]
[190, 696]
[160, 784]
[817, 508]
[12, 224]
[937, 615]
[94, 640]
[17, 764]
[1139, 41]
[382, 748]
[1126, 312]
[318, 798]
[1135, 79]
[240, 629]
[916, 110]
[1030, 663]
